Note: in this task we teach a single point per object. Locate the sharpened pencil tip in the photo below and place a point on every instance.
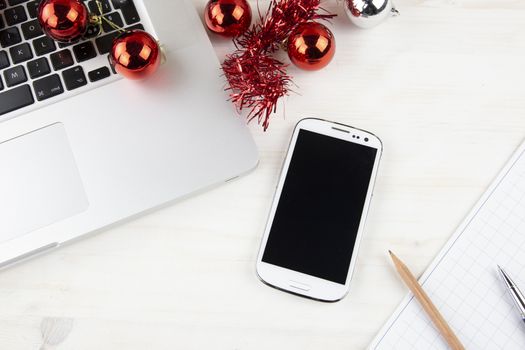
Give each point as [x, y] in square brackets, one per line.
[395, 259]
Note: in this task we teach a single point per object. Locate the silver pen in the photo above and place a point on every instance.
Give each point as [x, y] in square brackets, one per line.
[514, 292]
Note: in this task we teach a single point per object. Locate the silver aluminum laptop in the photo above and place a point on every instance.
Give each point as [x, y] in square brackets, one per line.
[81, 148]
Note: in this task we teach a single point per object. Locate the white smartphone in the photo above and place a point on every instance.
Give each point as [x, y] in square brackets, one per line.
[318, 213]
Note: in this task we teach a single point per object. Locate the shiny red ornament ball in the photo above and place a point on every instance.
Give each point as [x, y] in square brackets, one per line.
[135, 54]
[65, 21]
[311, 46]
[229, 18]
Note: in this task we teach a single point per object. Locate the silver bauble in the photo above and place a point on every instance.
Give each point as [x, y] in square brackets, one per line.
[369, 13]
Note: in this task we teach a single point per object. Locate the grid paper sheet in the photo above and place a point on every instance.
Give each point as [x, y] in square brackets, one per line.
[464, 282]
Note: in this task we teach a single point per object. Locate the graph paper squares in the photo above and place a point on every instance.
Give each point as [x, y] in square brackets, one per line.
[465, 285]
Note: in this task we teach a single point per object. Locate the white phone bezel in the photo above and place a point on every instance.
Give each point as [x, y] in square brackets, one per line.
[297, 282]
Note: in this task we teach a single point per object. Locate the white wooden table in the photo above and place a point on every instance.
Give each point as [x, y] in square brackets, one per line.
[443, 85]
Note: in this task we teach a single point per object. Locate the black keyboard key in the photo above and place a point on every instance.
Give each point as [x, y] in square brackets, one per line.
[14, 76]
[119, 3]
[129, 11]
[99, 74]
[105, 42]
[62, 45]
[31, 29]
[1, 85]
[9, 37]
[74, 78]
[21, 53]
[48, 87]
[15, 15]
[44, 45]
[2, 25]
[106, 7]
[32, 8]
[38, 68]
[136, 26]
[16, 2]
[62, 59]
[84, 51]
[3, 5]
[16, 98]
[113, 17]
[4, 60]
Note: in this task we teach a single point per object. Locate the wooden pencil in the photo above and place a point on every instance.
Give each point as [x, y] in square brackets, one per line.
[429, 307]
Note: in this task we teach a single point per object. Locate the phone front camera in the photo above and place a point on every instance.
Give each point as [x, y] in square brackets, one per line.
[366, 139]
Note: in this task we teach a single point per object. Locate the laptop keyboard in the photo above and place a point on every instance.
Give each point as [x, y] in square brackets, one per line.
[35, 70]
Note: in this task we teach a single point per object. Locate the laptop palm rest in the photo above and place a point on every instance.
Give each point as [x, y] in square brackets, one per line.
[48, 186]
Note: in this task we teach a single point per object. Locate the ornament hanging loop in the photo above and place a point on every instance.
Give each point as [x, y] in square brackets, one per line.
[394, 12]
[284, 44]
[163, 54]
[95, 20]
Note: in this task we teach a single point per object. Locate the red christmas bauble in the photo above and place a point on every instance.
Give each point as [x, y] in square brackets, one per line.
[311, 46]
[135, 54]
[228, 17]
[63, 20]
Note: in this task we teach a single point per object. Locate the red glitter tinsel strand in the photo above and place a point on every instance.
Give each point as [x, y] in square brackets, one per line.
[256, 80]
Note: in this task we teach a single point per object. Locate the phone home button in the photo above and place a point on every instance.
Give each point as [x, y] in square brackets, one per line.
[300, 286]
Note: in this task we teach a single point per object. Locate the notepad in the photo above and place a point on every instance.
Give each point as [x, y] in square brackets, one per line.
[463, 280]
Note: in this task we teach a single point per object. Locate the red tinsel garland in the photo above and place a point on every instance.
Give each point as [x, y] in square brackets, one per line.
[256, 80]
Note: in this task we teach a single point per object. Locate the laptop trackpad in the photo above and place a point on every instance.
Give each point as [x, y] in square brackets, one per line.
[39, 182]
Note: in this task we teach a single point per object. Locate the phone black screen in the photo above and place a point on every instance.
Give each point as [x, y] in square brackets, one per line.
[318, 214]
